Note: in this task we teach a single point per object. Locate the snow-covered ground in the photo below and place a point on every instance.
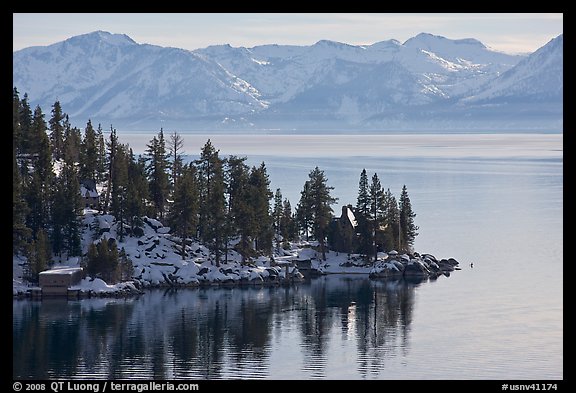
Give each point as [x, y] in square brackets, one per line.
[157, 261]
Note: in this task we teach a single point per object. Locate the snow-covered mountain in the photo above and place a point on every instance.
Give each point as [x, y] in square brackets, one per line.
[538, 78]
[426, 82]
[110, 78]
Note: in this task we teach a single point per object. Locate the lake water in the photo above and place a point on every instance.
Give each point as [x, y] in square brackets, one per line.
[494, 200]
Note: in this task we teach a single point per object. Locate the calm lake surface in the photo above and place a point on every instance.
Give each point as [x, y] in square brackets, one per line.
[494, 200]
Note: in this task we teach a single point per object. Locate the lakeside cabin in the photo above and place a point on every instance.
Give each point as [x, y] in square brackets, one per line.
[89, 194]
[56, 282]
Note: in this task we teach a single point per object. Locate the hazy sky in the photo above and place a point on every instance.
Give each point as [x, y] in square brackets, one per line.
[512, 33]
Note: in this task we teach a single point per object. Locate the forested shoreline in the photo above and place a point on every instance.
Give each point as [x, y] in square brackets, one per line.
[219, 201]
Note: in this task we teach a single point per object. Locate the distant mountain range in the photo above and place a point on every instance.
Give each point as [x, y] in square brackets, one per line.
[426, 83]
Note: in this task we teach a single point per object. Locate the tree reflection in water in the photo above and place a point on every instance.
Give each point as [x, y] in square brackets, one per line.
[215, 332]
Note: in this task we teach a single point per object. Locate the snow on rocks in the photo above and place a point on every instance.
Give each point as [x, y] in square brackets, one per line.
[156, 257]
[387, 269]
[415, 265]
[90, 287]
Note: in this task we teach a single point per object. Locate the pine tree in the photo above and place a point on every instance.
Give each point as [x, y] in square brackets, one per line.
[66, 209]
[111, 145]
[21, 234]
[362, 214]
[277, 210]
[363, 202]
[36, 218]
[304, 214]
[40, 147]
[408, 230]
[212, 224]
[239, 213]
[57, 131]
[183, 216]
[39, 187]
[137, 192]
[391, 233]
[277, 213]
[321, 206]
[101, 155]
[72, 141]
[259, 198]
[16, 129]
[377, 210]
[119, 192]
[58, 218]
[25, 123]
[72, 229]
[89, 154]
[287, 223]
[156, 169]
[175, 152]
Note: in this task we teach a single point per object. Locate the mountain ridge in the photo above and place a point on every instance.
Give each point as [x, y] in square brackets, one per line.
[110, 78]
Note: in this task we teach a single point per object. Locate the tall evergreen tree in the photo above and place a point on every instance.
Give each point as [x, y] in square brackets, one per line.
[40, 147]
[66, 209]
[184, 211]
[287, 222]
[39, 188]
[101, 168]
[259, 198]
[304, 214]
[277, 212]
[212, 225]
[408, 230]
[112, 146]
[363, 201]
[239, 214]
[72, 141]
[137, 192]
[362, 214]
[391, 233]
[89, 153]
[58, 221]
[37, 217]
[119, 193]
[57, 131]
[16, 131]
[377, 210]
[25, 122]
[157, 177]
[21, 234]
[321, 206]
[72, 209]
[175, 152]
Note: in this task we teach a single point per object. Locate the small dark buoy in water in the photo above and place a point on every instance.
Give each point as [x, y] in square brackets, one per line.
[471, 264]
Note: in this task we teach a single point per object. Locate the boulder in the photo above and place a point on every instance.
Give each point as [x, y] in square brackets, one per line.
[445, 265]
[386, 269]
[416, 268]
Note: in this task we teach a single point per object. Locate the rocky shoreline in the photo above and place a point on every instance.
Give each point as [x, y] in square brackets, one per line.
[389, 266]
[157, 263]
[412, 265]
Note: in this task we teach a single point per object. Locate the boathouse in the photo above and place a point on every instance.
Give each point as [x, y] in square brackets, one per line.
[57, 281]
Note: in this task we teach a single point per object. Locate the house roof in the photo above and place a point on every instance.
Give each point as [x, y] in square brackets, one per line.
[351, 217]
[66, 270]
[91, 193]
